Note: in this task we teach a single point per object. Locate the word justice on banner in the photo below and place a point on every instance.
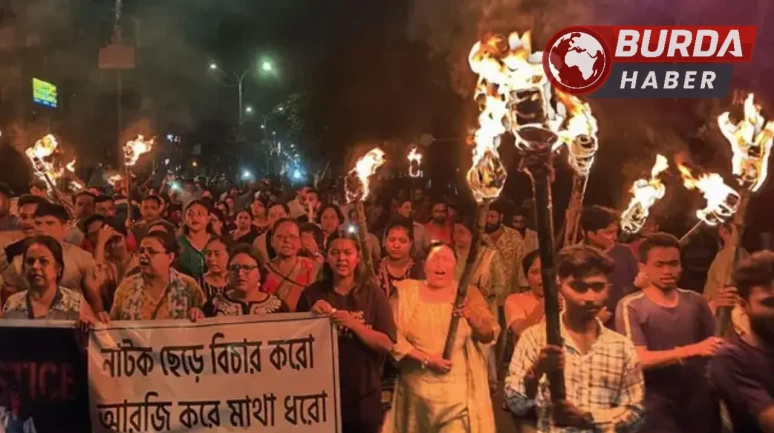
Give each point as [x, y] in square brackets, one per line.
[273, 374]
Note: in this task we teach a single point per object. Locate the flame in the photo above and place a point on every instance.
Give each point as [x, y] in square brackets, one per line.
[751, 141]
[415, 163]
[510, 72]
[646, 192]
[114, 179]
[579, 133]
[356, 183]
[722, 200]
[41, 156]
[134, 148]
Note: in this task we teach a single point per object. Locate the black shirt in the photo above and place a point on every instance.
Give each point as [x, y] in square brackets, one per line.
[744, 377]
[360, 368]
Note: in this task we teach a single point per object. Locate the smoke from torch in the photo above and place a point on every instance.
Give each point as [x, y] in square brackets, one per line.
[751, 142]
[646, 192]
[722, 200]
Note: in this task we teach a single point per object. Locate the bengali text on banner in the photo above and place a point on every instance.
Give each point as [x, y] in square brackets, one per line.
[278, 374]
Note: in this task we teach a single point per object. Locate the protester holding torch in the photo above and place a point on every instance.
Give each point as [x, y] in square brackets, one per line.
[751, 141]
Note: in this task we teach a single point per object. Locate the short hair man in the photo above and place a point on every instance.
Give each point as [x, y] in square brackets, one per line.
[439, 229]
[105, 205]
[743, 370]
[510, 247]
[604, 379]
[599, 226]
[673, 331]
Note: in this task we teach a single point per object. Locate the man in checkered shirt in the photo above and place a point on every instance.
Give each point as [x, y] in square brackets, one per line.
[602, 373]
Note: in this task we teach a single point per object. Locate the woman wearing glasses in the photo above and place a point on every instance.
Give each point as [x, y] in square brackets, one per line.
[366, 331]
[159, 292]
[244, 296]
[288, 274]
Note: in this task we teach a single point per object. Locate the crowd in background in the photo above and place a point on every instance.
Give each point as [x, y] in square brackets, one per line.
[636, 352]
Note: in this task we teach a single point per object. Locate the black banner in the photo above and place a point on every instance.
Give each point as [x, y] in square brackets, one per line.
[43, 380]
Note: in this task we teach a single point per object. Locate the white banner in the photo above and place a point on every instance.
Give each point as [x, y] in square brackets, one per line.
[277, 373]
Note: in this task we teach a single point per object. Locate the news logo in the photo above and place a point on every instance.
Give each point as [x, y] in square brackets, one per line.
[647, 61]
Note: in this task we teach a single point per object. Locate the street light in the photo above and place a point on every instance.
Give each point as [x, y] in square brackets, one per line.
[267, 66]
[249, 109]
[213, 66]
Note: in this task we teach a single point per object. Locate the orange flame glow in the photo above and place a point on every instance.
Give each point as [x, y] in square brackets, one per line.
[41, 156]
[356, 183]
[114, 179]
[645, 194]
[722, 200]
[134, 148]
[415, 163]
[751, 142]
[579, 133]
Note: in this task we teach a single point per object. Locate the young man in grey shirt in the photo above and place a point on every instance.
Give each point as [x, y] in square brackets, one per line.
[673, 332]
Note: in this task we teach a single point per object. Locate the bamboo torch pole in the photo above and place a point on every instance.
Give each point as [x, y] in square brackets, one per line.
[538, 165]
[470, 267]
[723, 314]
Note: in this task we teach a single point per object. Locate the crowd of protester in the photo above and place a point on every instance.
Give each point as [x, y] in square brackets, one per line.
[638, 352]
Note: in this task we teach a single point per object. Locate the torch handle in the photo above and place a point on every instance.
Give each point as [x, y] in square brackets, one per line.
[723, 314]
[363, 235]
[464, 283]
[574, 209]
[129, 216]
[537, 166]
[59, 196]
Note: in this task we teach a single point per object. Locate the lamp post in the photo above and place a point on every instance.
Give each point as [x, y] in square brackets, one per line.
[266, 66]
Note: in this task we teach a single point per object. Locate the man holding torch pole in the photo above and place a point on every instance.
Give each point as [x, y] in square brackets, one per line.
[613, 400]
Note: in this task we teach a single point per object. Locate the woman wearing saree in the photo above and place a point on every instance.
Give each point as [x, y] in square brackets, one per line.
[433, 394]
[288, 274]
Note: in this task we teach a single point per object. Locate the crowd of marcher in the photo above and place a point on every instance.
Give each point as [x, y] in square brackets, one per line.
[638, 352]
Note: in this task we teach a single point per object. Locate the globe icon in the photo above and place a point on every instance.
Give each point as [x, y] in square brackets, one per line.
[577, 60]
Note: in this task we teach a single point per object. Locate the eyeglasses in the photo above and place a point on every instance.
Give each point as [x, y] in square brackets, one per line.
[583, 287]
[236, 269]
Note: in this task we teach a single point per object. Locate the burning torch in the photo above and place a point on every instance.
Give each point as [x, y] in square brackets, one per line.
[486, 176]
[41, 156]
[751, 142]
[415, 163]
[510, 69]
[132, 151]
[356, 185]
[580, 137]
[646, 192]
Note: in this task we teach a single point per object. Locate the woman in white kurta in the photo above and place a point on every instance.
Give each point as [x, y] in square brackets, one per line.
[432, 394]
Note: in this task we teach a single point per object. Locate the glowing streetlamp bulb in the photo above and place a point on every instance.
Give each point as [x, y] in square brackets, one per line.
[263, 126]
[267, 66]
[213, 66]
[281, 109]
[195, 164]
[248, 109]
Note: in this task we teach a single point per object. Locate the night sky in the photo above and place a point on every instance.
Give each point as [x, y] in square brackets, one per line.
[360, 73]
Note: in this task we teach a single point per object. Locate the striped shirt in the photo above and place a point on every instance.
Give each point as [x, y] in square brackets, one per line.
[605, 381]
